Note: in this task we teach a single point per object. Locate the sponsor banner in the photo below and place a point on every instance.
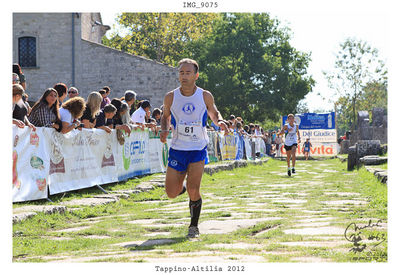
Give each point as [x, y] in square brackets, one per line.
[158, 153]
[239, 146]
[325, 149]
[247, 147]
[263, 147]
[30, 166]
[81, 159]
[212, 149]
[319, 135]
[308, 121]
[227, 145]
[134, 155]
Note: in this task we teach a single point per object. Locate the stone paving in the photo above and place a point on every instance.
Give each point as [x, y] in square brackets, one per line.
[280, 207]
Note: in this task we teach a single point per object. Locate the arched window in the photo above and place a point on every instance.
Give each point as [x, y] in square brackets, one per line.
[27, 51]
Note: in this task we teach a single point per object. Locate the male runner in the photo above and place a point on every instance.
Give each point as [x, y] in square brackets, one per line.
[186, 108]
[290, 142]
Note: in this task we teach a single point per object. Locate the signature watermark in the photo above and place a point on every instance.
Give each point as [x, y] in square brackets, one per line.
[365, 240]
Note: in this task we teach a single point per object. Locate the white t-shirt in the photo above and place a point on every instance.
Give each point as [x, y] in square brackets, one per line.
[66, 116]
[139, 116]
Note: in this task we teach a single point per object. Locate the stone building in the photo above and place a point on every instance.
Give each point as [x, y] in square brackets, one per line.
[66, 47]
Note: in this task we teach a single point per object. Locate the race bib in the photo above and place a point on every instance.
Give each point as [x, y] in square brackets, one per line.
[190, 131]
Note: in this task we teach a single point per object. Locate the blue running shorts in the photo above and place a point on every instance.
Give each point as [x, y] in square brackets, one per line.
[179, 160]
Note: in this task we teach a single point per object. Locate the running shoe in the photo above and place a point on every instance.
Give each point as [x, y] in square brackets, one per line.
[293, 171]
[193, 232]
[289, 173]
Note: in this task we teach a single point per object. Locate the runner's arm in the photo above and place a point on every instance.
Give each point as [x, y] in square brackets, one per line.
[284, 128]
[298, 134]
[166, 117]
[213, 112]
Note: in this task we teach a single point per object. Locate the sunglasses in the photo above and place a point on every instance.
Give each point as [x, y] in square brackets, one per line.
[72, 92]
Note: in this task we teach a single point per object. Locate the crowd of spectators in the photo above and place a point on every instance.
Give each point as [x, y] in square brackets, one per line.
[273, 141]
[64, 109]
[54, 109]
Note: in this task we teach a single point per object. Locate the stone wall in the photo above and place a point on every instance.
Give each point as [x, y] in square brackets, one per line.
[99, 65]
[54, 49]
[95, 64]
[90, 30]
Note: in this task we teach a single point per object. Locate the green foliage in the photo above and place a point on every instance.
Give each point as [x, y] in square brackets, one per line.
[245, 59]
[251, 68]
[160, 36]
[360, 78]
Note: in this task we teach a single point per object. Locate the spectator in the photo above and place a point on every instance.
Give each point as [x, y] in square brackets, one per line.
[15, 79]
[246, 128]
[25, 97]
[45, 112]
[105, 100]
[61, 89]
[17, 70]
[73, 92]
[278, 142]
[239, 127]
[268, 144]
[70, 111]
[104, 119]
[20, 111]
[157, 116]
[108, 91]
[118, 124]
[92, 110]
[139, 116]
[233, 121]
[129, 98]
[257, 130]
[251, 129]
[152, 124]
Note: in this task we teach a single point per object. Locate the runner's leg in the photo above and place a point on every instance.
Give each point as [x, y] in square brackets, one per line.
[294, 148]
[174, 182]
[195, 173]
[288, 154]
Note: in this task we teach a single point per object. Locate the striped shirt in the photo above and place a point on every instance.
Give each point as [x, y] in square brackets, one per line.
[42, 116]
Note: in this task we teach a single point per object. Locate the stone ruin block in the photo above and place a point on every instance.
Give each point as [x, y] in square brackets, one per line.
[362, 119]
[344, 146]
[352, 158]
[378, 117]
[361, 149]
[368, 147]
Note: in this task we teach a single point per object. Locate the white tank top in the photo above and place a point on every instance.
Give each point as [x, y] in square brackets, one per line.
[189, 118]
[290, 138]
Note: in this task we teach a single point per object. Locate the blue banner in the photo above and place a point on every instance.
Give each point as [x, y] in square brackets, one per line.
[239, 146]
[308, 121]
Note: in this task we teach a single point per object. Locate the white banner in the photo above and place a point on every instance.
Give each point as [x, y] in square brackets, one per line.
[247, 146]
[133, 156]
[30, 165]
[81, 159]
[319, 135]
[158, 153]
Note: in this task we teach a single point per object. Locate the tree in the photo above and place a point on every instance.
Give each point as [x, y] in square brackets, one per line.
[357, 66]
[251, 68]
[160, 36]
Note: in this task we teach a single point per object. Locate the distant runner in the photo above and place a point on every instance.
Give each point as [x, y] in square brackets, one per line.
[186, 108]
[291, 129]
[306, 148]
